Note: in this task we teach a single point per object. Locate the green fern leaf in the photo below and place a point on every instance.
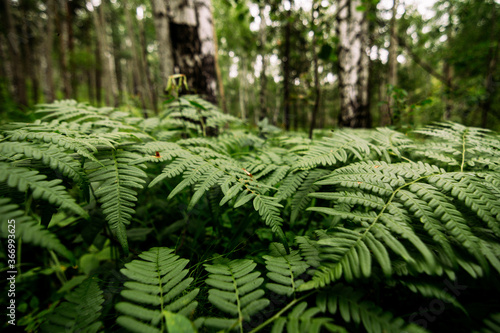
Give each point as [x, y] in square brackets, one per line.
[348, 302]
[81, 311]
[158, 287]
[235, 292]
[28, 230]
[117, 181]
[284, 269]
[24, 179]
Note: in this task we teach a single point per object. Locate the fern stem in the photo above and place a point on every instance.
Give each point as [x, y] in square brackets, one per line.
[279, 313]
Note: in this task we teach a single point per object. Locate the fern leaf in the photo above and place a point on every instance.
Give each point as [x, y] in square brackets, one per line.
[116, 190]
[29, 230]
[24, 179]
[284, 270]
[158, 286]
[348, 302]
[235, 292]
[80, 312]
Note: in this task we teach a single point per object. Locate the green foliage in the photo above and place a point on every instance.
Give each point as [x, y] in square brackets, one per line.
[153, 294]
[351, 232]
[234, 291]
[80, 312]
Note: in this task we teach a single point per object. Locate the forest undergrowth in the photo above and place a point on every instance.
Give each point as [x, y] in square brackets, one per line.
[189, 221]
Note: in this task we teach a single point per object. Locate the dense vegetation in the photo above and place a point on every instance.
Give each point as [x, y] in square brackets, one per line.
[189, 220]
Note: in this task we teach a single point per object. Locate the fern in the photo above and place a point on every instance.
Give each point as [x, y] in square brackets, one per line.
[117, 181]
[50, 156]
[382, 198]
[341, 147]
[235, 292]
[462, 146]
[492, 324]
[29, 230]
[80, 312]
[349, 304]
[158, 288]
[284, 269]
[24, 179]
[301, 320]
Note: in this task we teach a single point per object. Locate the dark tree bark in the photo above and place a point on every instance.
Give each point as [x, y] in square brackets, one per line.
[62, 34]
[162, 30]
[138, 80]
[392, 74]
[145, 67]
[191, 28]
[489, 83]
[12, 37]
[49, 90]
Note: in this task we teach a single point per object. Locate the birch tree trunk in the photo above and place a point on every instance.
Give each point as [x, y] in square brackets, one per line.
[191, 31]
[352, 30]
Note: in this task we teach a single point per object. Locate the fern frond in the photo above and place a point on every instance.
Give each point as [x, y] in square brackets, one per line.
[492, 324]
[117, 182]
[284, 269]
[460, 145]
[337, 149]
[348, 302]
[302, 320]
[24, 179]
[28, 230]
[80, 146]
[158, 285]
[235, 292]
[50, 156]
[80, 312]
[301, 198]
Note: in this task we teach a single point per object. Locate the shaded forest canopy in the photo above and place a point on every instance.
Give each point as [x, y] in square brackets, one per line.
[302, 64]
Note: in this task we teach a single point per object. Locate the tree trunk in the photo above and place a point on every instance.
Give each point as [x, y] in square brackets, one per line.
[241, 90]
[447, 68]
[62, 34]
[30, 54]
[49, 90]
[392, 74]
[150, 88]
[19, 82]
[286, 69]
[162, 29]
[71, 49]
[98, 73]
[220, 82]
[191, 29]
[263, 76]
[489, 83]
[106, 56]
[138, 79]
[353, 65]
[317, 90]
